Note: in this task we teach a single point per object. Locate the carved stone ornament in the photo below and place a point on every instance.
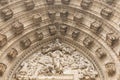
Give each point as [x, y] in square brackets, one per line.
[29, 4]
[17, 27]
[37, 19]
[78, 18]
[39, 35]
[13, 53]
[64, 14]
[75, 34]
[85, 4]
[100, 53]
[25, 43]
[110, 67]
[106, 13]
[3, 2]
[52, 29]
[2, 68]
[7, 13]
[88, 42]
[3, 40]
[110, 2]
[63, 29]
[56, 61]
[67, 2]
[51, 15]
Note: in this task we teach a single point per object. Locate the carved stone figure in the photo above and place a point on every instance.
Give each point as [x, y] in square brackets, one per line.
[7, 13]
[17, 27]
[51, 15]
[63, 29]
[39, 35]
[100, 53]
[110, 67]
[25, 43]
[37, 19]
[3, 40]
[2, 68]
[78, 18]
[52, 29]
[66, 1]
[64, 14]
[64, 60]
[88, 42]
[29, 4]
[13, 53]
[75, 34]
[106, 13]
[96, 27]
[85, 4]
[50, 2]
[112, 39]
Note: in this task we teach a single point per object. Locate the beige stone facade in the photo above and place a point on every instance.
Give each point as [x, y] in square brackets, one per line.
[59, 39]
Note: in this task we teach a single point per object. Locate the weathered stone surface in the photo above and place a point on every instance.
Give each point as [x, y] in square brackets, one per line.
[64, 14]
[37, 19]
[66, 1]
[106, 13]
[3, 40]
[52, 29]
[78, 18]
[25, 43]
[50, 2]
[110, 67]
[2, 68]
[96, 27]
[88, 42]
[39, 35]
[3, 2]
[29, 4]
[85, 4]
[63, 29]
[17, 27]
[51, 15]
[13, 53]
[75, 34]
[100, 53]
[7, 13]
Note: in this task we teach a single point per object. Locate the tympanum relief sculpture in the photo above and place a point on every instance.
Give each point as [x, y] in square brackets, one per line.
[54, 60]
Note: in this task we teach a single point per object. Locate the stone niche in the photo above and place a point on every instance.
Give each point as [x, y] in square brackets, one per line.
[13, 53]
[3, 67]
[96, 27]
[17, 27]
[100, 53]
[75, 34]
[39, 35]
[3, 40]
[37, 19]
[78, 18]
[64, 14]
[66, 2]
[25, 43]
[112, 39]
[106, 13]
[110, 68]
[7, 13]
[51, 15]
[50, 2]
[63, 29]
[29, 4]
[52, 29]
[88, 42]
[85, 4]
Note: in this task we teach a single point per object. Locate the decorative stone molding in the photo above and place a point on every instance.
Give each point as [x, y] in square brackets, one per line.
[17, 27]
[29, 4]
[39, 35]
[63, 29]
[106, 13]
[3, 40]
[67, 2]
[3, 67]
[75, 34]
[96, 27]
[85, 4]
[51, 15]
[112, 39]
[52, 29]
[13, 53]
[7, 13]
[37, 19]
[88, 42]
[25, 43]
[64, 14]
[100, 53]
[110, 67]
[78, 18]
